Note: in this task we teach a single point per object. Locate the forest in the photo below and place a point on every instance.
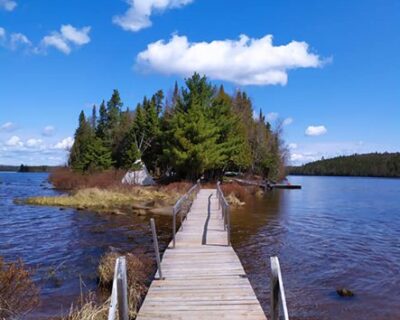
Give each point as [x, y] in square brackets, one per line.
[367, 165]
[197, 130]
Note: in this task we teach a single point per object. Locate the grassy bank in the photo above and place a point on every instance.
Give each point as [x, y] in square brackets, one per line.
[113, 200]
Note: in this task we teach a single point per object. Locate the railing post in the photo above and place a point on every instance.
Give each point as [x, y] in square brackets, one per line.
[122, 290]
[173, 226]
[114, 294]
[156, 248]
[228, 218]
[278, 297]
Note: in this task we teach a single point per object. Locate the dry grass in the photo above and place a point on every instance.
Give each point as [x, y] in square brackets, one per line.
[89, 310]
[139, 271]
[138, 268]
[18, 293]
[67, 179]
[236, 194]
[109, 199]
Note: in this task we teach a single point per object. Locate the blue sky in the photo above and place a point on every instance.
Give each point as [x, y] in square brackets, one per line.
[331, 70]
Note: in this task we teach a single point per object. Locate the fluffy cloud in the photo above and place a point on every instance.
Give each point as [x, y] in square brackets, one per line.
[48, 131]
[137, 17]
[287, 121]
[292, 146]
[244, 61]
[14, 41]
[66, 38]
[18, 39]
[33, 143]
[8, 5]
[316, 131]
[14, 141]
[8, 126]
[65, 144]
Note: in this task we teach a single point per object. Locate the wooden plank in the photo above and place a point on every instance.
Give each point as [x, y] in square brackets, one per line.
[202, 281]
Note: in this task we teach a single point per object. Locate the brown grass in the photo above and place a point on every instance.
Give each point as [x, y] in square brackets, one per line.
[18, 293]
[138, 272]
[112, 199]
[236, 194]
[67, 179]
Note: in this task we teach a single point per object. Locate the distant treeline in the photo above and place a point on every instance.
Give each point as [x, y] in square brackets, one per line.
[198, 130]
[25, 168]
[364, 165]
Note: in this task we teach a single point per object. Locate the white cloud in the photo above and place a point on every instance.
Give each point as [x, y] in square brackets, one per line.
[67, 37]
[316, 131]
[32, 143]
[19, 39]
[65, 144]
[48, 131]
[14, 141]
[244, 61]
[77, 36]
[292, 146]
[137, 17]
[8, 126]
[8, 5]
[2, 33]
[287, 121]
[272, 116]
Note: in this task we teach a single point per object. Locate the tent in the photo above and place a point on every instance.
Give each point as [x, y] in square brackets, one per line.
[140, 176]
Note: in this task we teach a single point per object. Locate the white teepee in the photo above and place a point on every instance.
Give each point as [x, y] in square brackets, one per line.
[140, 177]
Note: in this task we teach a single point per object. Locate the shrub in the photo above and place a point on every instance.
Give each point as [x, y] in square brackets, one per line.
[240, 192]
[138, 273]
[67, 179]
[18, 293]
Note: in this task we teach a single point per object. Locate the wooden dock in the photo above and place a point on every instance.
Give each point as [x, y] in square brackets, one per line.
[202, 276]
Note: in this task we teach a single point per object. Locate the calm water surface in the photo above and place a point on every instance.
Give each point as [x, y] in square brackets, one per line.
[335, 232]
[63, 246]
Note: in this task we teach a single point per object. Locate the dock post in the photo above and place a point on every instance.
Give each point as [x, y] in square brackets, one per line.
[228, 222]
[173, 226]
[122, 290]
[156, 248]
[278, 297]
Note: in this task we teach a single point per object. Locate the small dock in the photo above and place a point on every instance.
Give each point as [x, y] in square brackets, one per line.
[203, 277]
[267, 185]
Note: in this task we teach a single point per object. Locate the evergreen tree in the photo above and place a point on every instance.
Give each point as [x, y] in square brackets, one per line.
[102, 125]
[191, 146]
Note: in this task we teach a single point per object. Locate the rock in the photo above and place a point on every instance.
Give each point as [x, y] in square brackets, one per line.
[343, 292]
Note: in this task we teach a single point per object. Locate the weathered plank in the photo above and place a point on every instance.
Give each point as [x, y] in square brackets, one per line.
[203, 277]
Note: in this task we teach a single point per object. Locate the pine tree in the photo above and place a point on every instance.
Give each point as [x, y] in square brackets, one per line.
[102, 125]
[191, 146]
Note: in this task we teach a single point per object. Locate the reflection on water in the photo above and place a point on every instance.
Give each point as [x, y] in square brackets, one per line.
[335, 232]
[64, 246]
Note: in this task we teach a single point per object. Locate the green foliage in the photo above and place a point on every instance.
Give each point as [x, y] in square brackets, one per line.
[199, 130]
[367, 165]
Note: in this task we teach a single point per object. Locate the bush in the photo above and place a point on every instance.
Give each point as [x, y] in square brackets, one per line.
[138, 273]
[18, 293]
[67, 179]
[240, 192]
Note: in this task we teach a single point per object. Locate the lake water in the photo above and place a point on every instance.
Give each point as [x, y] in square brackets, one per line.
[64, 246]
[335, 232]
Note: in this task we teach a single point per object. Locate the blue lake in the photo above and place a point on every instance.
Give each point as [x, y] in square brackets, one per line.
[334, 232]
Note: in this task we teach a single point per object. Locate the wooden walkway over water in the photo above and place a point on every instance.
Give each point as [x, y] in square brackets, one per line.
[203, 276]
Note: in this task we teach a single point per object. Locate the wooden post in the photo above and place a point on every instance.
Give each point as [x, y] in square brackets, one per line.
[156, 249]
[113, 299]
[173, 226]
[277, 291]
[228, 218]
[122, 290]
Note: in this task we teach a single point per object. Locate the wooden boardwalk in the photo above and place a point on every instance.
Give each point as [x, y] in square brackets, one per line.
[203, 277]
